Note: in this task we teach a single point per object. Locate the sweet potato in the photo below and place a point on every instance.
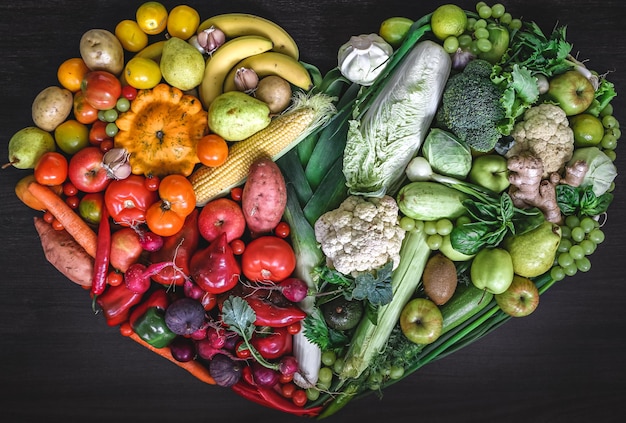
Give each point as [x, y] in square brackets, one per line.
[264, 196]
[64, 253]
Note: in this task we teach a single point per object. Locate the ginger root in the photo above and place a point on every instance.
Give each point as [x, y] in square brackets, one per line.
[529, 189]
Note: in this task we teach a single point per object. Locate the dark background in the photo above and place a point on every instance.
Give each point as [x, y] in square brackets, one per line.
[59, 362]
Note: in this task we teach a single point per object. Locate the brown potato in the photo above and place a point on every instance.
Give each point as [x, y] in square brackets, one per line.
[275, 91]
[101, 50]
[51, 107]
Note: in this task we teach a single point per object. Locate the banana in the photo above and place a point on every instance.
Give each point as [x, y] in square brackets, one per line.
[152, 51]
[272, 63]
[237, 24]
[224, 59]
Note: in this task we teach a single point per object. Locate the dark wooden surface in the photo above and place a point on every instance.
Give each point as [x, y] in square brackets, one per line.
[59, 362]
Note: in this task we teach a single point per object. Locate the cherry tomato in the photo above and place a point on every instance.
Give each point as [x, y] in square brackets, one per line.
[71, 73]
[56, 225]
[71, 136]
[152, 182]
[283, 378]
[126, 329]
[83, 111]
[167, 216]
[242, 351]
[236, 193]
[129, 93]
[299, 397]
[72, 201]
[238, 246]
[142, 73]
[101, 89]
[130, 35]
[268, 258]
[183, 22]
[69, 189]
[282, 230]
[288, 389]
[97, 132]
[48, 217]
[212, 150]
[115, 278]
[294, 328]
[106, 145]
[127, 200]
[51, 169]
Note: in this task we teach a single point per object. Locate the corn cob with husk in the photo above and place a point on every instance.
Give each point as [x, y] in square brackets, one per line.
[308, 112]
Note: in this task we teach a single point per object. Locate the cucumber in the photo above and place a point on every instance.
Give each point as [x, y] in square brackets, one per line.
[466, 302]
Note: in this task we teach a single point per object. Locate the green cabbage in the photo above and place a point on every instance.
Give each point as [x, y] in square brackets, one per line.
[602, 171]
[447, 154]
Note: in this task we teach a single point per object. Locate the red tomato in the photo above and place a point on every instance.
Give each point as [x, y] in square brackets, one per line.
[83, 111]
[101, 89]
[127, 200]
[282, 230]
[51, 169]
[299, 397]
[212, 150]
[167, 216]
[268, 258]
[129, 92]
[236, 193]
[152, 182]
[97, 133]
[238, 246]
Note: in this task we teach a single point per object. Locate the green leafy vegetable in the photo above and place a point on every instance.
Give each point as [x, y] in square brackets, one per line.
[239, 316]
[317, 331]
[581, 200]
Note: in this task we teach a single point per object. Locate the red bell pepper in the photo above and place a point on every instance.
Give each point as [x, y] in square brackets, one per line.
[272, 315]
[274, 344]
[116, 303]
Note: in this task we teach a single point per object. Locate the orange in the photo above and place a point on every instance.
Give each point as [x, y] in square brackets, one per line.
[71, 73]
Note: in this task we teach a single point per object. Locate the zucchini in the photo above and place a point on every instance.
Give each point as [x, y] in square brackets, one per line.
[424, 200]
[466, 302]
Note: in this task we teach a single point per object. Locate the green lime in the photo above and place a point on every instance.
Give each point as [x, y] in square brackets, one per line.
[448, 20]
[588, 130]
[394, 29]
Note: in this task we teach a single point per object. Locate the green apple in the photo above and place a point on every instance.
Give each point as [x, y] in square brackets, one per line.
[520, 299]
[448, 250]
[90, 207]
[490, 171]
[588, 130]
[421, 321]
[492, 270]
[572, 91]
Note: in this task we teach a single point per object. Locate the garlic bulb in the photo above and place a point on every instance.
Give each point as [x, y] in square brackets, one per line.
[115, 161]
[363, 58]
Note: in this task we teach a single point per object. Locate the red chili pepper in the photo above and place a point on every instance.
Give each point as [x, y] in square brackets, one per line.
[116, 302]
[268, 397]
[273, 344]
[272, 315]
[158, 298]
[103, 253]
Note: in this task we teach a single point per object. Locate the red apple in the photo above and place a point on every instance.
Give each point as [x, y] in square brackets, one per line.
[125, 248]
[222, 215]
[520, 299]
[86, 170]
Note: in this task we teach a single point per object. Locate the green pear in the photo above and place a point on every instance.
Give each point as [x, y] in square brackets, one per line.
[27, 145]
[533, 252]
[182, 65]
[235, 115]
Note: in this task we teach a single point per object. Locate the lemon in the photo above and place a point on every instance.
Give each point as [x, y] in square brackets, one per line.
[448, 20]
[394, 29]
[588, 130]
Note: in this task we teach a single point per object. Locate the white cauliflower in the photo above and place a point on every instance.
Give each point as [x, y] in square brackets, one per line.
[361, 235]
[544, 133]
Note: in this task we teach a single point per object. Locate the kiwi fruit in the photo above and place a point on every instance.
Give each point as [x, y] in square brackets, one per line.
[439, 278]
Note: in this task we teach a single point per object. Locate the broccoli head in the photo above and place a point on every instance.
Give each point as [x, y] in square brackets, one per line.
[470, 106]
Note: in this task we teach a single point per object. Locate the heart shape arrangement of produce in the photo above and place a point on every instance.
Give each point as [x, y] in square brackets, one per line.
[306, 239]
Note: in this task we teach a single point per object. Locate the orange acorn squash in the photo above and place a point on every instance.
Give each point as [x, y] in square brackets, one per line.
[161, 131]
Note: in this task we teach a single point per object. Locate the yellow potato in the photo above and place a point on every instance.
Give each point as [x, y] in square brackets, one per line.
[101, 50]
[51, 107]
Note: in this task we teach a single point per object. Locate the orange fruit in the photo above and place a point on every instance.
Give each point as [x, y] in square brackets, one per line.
[71, 73]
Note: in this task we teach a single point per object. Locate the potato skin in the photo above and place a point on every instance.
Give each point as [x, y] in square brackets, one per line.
[51, 107]
[64, 253]
[264, 196]
[101, 50]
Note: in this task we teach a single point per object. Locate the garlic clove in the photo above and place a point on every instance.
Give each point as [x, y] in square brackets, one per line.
[115, 161]
[211, 39]
[246, 80]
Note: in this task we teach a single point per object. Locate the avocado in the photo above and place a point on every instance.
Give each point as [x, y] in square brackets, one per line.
[342, 314]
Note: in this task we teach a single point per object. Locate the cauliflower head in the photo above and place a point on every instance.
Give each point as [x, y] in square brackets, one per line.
[544, 132]
[361, 235]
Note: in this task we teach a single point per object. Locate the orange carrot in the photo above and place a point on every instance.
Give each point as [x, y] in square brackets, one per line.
[192, 366]
[72, 222]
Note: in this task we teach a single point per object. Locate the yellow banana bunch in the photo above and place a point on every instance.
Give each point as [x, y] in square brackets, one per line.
[272, 63]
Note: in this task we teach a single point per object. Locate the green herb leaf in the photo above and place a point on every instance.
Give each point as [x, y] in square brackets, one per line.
[239, 316]
[317, 331]
[374, 287]
[583, 200]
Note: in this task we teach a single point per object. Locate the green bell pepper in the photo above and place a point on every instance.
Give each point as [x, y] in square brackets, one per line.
[151, 328]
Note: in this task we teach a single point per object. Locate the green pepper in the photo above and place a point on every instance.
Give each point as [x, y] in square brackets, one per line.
[151, 328]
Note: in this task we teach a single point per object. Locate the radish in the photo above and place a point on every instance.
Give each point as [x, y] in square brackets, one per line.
[293, 289]
[137, 277]
[150, 241]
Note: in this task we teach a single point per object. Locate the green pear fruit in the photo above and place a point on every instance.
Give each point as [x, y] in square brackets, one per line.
[182, 65]
[533, 252]
[235, 115]
[27, 145]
